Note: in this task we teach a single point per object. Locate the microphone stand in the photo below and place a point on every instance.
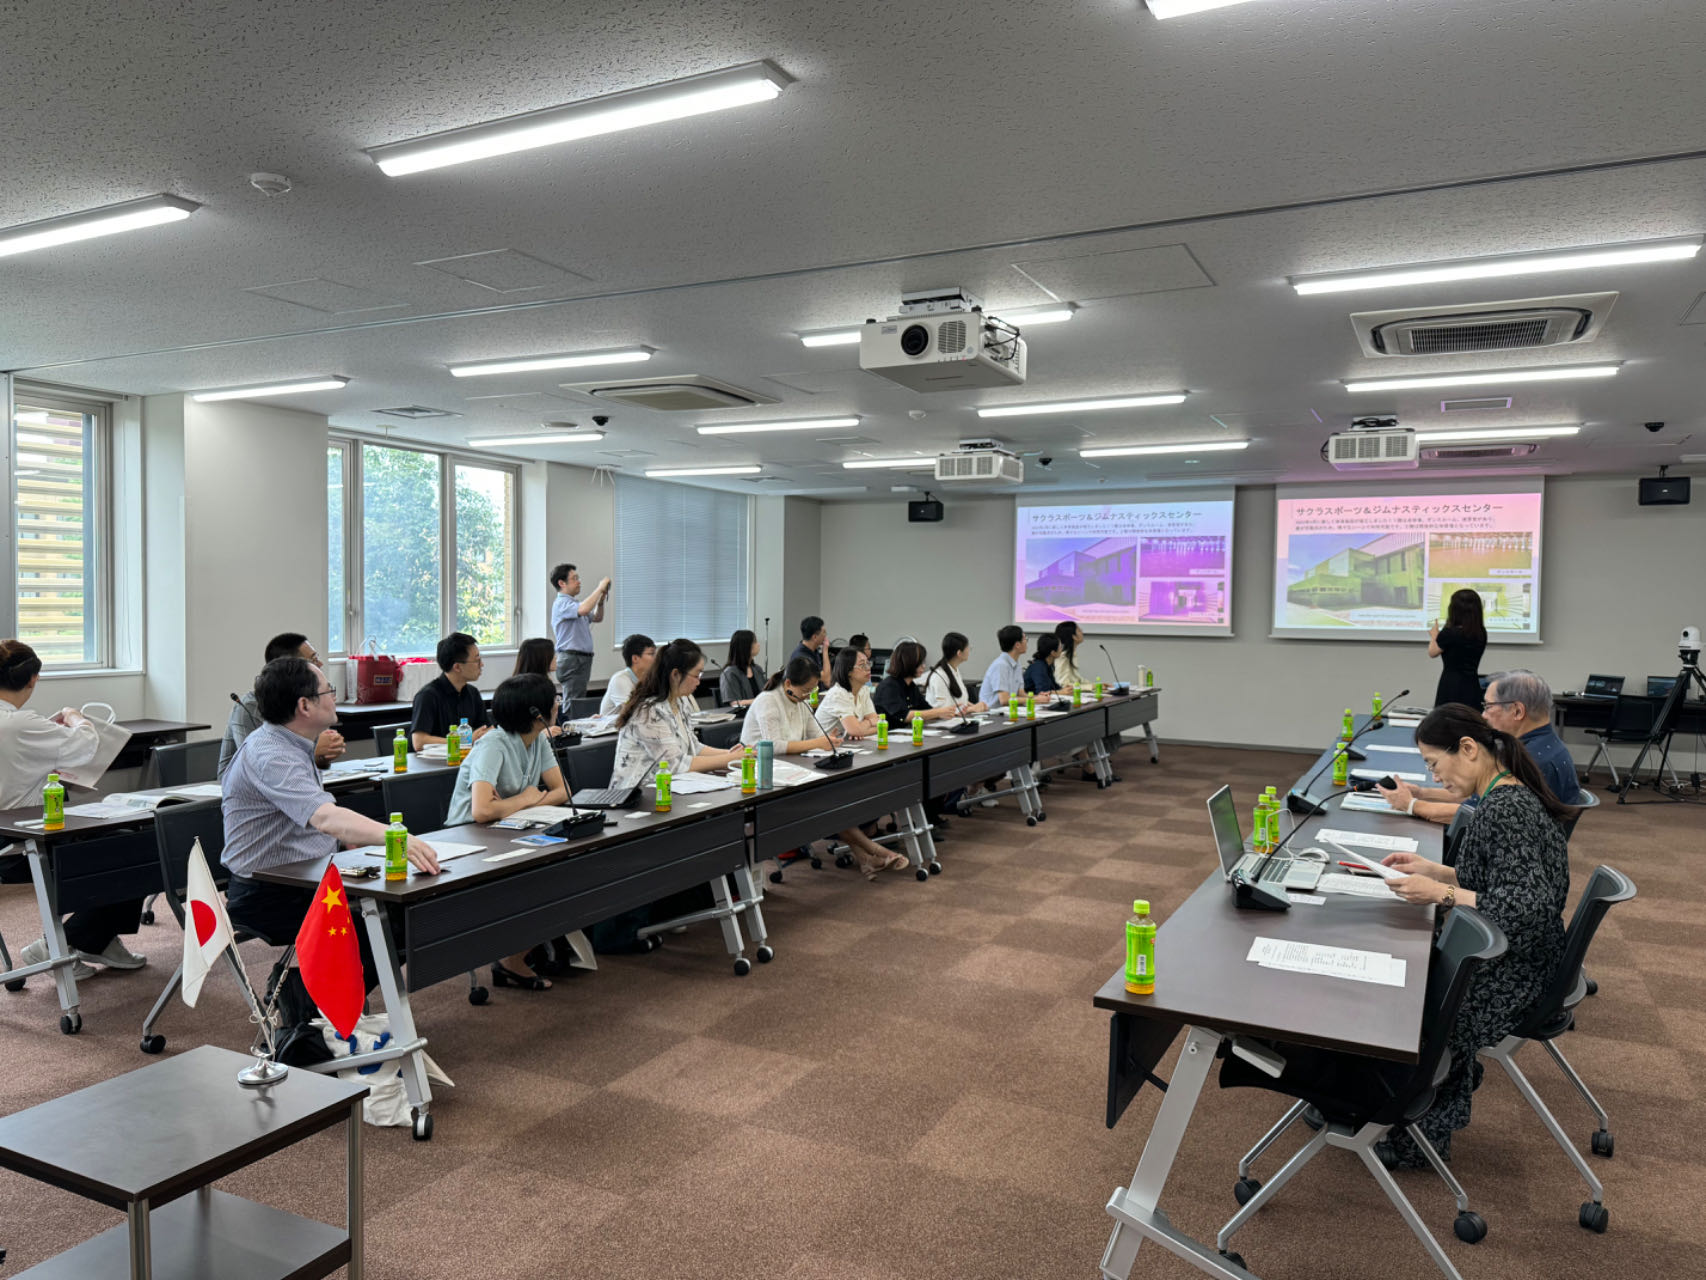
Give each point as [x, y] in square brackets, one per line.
[1302, 803]
[1120, 686]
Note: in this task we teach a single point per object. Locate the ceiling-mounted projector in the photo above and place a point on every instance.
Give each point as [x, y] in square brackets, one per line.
[942, 341]
[1374, 444]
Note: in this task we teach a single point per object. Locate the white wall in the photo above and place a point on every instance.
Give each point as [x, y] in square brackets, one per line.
[1619, 582]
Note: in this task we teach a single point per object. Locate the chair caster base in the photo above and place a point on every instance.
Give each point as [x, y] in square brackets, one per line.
[1471, 1228]
[765, 954]
[1594, 1217]
[1236, 1259]
[1601, 1143]
[844, 860]
[935, 868]
[922, 874]
[1593, 987]
[17, 984]
[478, 995]
[743, 966]
[422, 1127]
[775, 877]
[817, 863]
[70, 1023]
[147, 917]
[1030, 822]
[153, 1044]
[1244, 1188]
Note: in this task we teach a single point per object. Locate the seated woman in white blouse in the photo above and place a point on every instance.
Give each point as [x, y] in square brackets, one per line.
[655, 727]
[31, 747]
[848, 701]
[782, 715]
[944, 688]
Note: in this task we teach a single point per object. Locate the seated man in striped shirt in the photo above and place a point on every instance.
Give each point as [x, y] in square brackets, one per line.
[278, 812]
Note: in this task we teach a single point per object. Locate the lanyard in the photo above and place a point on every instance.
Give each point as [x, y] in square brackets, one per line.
[1500, 777]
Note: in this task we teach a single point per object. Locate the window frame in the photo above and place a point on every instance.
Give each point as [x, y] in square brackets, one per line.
[98, 501]
[355, 584]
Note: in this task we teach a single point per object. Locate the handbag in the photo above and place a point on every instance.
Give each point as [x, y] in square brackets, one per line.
[387, 1101]
[375, 675]
[113, 737]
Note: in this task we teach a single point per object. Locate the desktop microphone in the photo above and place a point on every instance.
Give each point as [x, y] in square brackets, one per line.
[1249, 893]
[1303, 802]
[1119, 685]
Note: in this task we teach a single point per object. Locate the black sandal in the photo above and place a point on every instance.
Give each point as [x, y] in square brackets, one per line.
[502, 977]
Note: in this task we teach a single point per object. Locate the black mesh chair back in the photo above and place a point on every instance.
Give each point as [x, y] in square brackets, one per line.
[384, 735]
[581, 708]
[1454, 833]
[1550, 1015]
[176, 829]
[1632, 719]
[591, 764]
[180, 763]
[1466, 943]
[422, 798]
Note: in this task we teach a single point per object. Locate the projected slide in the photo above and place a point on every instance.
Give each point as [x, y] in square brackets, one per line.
[1391, 563]
[1138, 565]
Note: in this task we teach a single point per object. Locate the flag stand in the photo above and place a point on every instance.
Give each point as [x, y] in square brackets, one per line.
[265, 1069]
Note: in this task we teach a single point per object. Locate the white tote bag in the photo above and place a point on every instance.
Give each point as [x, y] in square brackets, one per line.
[113, 737]
[387, 1103]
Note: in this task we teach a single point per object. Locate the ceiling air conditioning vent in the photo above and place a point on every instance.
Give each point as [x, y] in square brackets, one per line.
[1479, 404]
[417, 411]
[1458, 452]
[684, 393]
[1521, 325]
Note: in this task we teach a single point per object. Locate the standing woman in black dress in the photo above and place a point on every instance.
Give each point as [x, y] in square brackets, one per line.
[1459, 645]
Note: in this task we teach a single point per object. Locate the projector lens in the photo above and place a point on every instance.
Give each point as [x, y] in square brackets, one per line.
[914, 339]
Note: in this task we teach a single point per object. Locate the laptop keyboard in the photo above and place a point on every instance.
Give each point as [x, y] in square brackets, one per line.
[1277, 869]
[607, 798]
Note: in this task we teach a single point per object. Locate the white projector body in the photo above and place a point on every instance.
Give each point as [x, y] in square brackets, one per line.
[989, 466]
[953, 351]
[1374, 451]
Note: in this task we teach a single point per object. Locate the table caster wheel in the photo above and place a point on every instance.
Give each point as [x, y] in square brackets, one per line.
[743, 966]
[775, 877]
[423, 1126]
[1244, 1188]
[844, 860]
[16, 984]
[1471, 1227]
[70, 1023]
[922, 874]
[1030, 821]
[1236, 1259]
[478, 995]
[935, 868]
[1601, 1143]
[1042, 817]
[1594, 1217]
[153, 1044]
[766, 954]
[147, 917]
[817, 863]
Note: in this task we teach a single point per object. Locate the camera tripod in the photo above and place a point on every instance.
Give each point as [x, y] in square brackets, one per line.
[1664, 724]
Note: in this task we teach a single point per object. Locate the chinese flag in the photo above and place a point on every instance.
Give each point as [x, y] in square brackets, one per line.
[329, 955]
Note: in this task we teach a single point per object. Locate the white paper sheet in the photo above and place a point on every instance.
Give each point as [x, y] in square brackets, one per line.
[687, 784]
[1329, 962]
[1355, 886]
[1375, 775]
[445, 849]
[1368, 840]
[1380, 746]
[1361, 802]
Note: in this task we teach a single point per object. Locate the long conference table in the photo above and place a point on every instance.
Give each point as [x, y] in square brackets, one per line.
[511, 896]
[1209, 992]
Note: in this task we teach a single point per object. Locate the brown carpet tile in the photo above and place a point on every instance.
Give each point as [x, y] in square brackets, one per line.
[915, 1086]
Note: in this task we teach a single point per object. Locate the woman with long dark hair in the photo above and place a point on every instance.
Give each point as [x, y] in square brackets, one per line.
[1513, 867]
[655, 728]
[1070, 635]
[1459, 645]
[898, 696]
[1039, 676]
[742, 679]
[943, 686]
[539, 657]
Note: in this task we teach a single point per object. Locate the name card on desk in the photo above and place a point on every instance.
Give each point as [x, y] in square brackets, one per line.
[1328, 962]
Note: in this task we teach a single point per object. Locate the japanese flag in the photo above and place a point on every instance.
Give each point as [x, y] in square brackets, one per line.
[207, 930]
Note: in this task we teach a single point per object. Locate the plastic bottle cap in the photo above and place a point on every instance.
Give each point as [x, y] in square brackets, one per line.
[396, 817]
[1140, 907]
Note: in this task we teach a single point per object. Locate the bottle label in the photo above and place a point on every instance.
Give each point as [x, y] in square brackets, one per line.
[663, 792]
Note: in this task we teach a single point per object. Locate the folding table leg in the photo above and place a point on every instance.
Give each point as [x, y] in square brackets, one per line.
[59, 952]
[400, 1013]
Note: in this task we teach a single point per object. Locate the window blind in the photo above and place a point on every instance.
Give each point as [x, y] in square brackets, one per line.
[681, 561]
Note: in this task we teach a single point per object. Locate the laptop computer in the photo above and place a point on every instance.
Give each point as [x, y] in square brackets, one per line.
[1602, 687]
[1660, 686]
[1290, 873]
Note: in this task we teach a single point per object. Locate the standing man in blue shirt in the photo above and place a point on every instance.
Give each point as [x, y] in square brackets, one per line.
[1005, 679]
[571, 623]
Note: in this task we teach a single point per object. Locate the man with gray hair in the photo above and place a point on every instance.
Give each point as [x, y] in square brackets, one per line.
[1519, 703]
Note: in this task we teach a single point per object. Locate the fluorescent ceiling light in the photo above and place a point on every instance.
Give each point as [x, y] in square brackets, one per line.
[704, 471]
[572, 360]
[792, 424]
[890, 464]
[150, 211]
[272, 389]
[1180, 8]
[1150, 450]
[831, 338]
[553, 437]
[1495, 433]
[1050, 313]
[1487, 378]
[1082, 406]
[1516, 264]
[611, 113]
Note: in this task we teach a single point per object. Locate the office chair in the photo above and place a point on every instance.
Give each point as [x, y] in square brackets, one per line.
[1631, 723]
[1553, 1015]
[1362, 1100]
[591, 764]
[422, 798]
[176, 829]
[581, 708]
[385, 736]
[181, 763]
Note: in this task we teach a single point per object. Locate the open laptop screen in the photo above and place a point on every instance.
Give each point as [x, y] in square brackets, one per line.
[1228, 838]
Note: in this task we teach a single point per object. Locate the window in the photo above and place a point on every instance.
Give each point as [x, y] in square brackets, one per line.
[60, 519]
[681, 561]
[419, 544]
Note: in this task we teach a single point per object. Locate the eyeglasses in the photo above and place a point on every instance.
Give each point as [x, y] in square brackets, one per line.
[324, 692]
[1488, 706]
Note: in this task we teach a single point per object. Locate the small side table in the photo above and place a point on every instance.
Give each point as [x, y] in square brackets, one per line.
[143, 1141]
